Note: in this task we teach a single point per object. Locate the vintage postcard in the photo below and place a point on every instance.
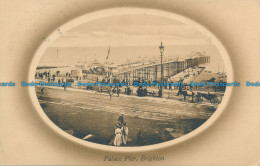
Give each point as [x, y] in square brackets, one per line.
[130, 83]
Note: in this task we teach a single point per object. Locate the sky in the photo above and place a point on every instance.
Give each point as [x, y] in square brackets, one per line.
[129, 37]
[131, 30]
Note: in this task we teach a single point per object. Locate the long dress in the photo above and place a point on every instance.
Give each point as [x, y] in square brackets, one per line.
[125, 134]
[118, 138]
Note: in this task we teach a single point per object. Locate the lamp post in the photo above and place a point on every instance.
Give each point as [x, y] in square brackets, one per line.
[161, 47]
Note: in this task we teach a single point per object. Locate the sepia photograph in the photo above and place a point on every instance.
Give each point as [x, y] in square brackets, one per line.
[130, 80]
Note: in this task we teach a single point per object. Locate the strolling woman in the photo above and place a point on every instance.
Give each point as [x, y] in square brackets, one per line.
[118, 137]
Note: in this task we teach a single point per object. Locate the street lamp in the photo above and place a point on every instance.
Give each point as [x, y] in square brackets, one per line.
[161, 47]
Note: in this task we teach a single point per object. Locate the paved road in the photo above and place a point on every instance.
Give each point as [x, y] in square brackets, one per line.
[81, 112]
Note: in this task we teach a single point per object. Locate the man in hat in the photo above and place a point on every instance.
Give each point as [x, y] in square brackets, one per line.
[121, 119]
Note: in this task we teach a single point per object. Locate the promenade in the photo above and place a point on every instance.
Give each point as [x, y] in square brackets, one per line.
[84, 112]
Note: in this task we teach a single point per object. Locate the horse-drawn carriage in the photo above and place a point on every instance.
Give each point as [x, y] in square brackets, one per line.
[212, 98]
[144, 92]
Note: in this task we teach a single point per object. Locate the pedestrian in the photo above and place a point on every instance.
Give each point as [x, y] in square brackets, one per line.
[118, 91]
[42, 89]
[125, 132]
[160, 92]
[180, 91]
[110, 94]
[118, 137]
[192, 95]
[121, 119]
[139, 138]
[184, 95]
[198, 97]
[64, 86]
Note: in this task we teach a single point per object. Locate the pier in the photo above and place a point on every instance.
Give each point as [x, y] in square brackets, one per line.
[152, 72]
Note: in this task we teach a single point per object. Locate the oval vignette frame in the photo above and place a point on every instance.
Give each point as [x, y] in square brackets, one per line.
[121, 11]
